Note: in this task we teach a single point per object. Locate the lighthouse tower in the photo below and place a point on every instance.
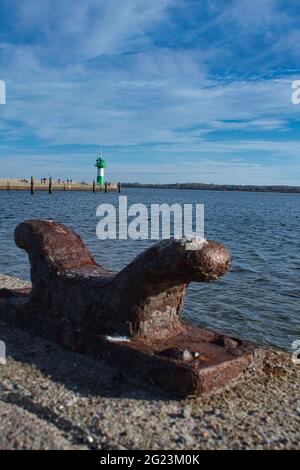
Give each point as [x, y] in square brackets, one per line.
[100, 165]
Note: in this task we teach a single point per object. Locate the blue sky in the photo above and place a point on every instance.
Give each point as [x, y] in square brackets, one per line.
[175, 90]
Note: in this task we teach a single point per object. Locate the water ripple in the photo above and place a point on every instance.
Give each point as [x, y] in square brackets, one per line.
[259, 299]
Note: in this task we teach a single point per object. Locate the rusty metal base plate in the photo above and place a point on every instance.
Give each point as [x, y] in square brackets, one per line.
[193, 362]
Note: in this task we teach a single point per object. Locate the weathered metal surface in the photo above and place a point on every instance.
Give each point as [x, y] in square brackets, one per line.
[130, 318]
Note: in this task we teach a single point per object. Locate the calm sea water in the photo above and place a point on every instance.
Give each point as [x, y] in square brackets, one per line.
[258, 300]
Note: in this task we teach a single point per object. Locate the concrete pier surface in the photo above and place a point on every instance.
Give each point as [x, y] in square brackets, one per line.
[51, 398]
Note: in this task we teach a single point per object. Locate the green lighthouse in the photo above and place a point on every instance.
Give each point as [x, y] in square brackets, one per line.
[100, 165]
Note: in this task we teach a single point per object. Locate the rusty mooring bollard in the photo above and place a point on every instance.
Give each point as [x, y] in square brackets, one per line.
[130, 318]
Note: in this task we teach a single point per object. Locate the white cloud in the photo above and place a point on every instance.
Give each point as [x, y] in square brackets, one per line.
[87, 29]
[76, 84]
[132, 108]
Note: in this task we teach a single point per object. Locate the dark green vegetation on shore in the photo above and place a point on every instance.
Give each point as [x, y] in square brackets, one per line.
[216, 187]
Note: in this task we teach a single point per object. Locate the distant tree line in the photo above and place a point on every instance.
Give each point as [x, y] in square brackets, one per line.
[217, 187]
